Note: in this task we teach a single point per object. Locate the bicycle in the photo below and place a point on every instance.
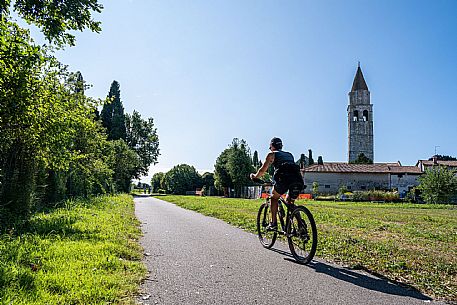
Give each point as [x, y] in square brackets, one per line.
[297, 225]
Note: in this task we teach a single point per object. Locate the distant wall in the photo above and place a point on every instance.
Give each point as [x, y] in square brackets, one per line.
[329, 183]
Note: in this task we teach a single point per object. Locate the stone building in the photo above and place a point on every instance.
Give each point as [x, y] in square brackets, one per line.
[360, 119]
[359, 177]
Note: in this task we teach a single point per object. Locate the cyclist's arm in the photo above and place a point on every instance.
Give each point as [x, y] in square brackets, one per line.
[268, 160]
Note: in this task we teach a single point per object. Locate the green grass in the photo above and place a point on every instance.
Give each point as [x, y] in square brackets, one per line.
[83, 253]
[409, 243]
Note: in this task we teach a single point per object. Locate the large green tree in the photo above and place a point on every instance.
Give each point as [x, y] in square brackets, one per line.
[157, 182]
[141, 137]
[41, 114]
[56, 18]
[438, 185]
[222, 179]
[233, 166]
[181, 178]
[112, 115]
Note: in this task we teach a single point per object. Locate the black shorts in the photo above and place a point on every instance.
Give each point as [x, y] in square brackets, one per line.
[291, 184]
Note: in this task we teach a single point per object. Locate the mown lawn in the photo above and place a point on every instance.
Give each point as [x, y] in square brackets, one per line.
[409, 243]
[83, 253]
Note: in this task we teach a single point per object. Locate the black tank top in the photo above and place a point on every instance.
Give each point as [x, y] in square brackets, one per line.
[282, 157]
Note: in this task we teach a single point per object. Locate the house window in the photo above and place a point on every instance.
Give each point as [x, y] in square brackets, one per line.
[327, 186]
[400, 175]
[349, 187]
[363, 187]
[356, 116]
[365, 115]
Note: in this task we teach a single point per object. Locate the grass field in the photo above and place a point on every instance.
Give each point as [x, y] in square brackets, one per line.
[409, 243]
[83, 253]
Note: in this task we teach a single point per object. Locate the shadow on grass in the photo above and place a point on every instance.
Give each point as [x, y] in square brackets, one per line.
[376, 283]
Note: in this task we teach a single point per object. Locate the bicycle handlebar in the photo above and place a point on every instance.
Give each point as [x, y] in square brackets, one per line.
[260, 181]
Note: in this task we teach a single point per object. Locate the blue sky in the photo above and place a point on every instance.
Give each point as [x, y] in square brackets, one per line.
[210, 71]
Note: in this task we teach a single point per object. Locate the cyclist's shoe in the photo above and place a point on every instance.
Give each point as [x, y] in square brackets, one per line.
[272, 227]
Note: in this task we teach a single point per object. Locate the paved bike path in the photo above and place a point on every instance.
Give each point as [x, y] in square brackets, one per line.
[195, 259]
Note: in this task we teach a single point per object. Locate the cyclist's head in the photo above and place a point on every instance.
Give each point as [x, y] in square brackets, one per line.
[275, 143]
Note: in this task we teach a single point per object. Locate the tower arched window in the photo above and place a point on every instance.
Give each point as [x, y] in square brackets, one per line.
[356, 116]
[365, 115]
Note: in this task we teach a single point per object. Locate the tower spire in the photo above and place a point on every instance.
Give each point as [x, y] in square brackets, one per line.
[359, 82]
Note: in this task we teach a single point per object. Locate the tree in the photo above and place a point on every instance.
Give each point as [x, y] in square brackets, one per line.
[239, 164]
[222, 179]
[141, 137]
[40, 111]
[157, 182]
[310, 157]
[180, 179]
[208, 179]
[443, 158]
[362, 159]
[438, 184]
[125, 164]
[112, 115]
[302, 161]
[233, 166]
[56, 18]
[255, 160]
[320, 161]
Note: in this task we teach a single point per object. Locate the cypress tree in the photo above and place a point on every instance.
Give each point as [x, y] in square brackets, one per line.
[255, 159]
[310, 157]
[79, 83]
[112, 115]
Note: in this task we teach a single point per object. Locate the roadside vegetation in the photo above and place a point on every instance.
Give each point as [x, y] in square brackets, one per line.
[84, 252]
[414, 244]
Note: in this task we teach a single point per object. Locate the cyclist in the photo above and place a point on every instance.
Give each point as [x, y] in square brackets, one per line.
[286, 177]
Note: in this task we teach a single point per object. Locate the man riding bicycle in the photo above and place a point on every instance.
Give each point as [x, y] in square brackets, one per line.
[286, 177]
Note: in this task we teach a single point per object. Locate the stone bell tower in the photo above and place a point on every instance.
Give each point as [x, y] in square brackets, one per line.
[360, 119]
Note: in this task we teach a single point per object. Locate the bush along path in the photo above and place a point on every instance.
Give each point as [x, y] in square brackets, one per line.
[85, 252]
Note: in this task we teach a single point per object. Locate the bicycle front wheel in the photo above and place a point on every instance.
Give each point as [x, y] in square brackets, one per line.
[302, 235]
[267, 237]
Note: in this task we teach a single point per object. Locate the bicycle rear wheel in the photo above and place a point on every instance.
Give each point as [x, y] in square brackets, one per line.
[267, 238]
[302, 235]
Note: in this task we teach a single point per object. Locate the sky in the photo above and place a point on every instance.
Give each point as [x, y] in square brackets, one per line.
[210, 71]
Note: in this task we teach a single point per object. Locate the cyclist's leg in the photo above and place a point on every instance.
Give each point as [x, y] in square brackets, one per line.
[289, 199]
[274, 206]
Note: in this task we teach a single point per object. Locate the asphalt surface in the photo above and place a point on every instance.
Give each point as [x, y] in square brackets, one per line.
[195, 259]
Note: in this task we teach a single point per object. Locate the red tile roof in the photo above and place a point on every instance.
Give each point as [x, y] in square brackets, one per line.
[439, 162]
[376, 168]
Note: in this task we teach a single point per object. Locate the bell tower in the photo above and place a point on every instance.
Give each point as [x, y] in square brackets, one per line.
[360, 119]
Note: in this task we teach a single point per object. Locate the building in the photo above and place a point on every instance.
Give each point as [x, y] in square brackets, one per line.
[360, 119]
[331, 176]
[424, 164]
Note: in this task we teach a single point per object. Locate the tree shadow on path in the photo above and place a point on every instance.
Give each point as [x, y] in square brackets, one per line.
[375, 282]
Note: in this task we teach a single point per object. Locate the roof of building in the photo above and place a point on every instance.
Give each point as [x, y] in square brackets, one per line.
[376, 168]
[438, 162]
[359, 82]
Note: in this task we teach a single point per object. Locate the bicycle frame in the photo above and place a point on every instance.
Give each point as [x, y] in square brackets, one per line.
[282, 213]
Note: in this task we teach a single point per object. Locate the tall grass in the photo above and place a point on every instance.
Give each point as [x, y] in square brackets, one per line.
[85, 252]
